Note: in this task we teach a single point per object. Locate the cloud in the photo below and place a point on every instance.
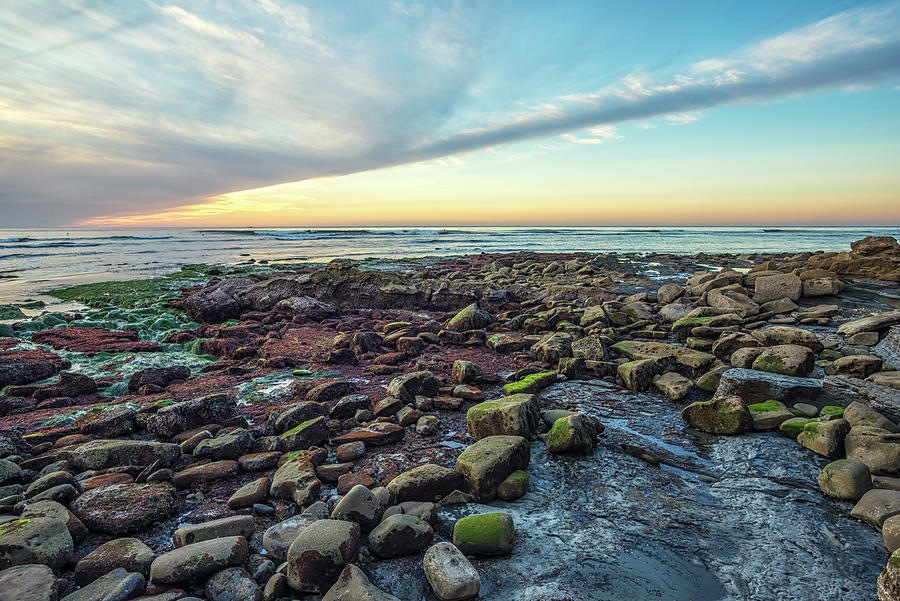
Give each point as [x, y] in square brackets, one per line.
[683, 118]
[119, 110]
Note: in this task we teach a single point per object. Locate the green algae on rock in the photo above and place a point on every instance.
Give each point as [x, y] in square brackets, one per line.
[485, 534]
[531, 383]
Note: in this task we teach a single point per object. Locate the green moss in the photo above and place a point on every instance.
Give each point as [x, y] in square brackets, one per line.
[771, 364]
[13, 526]
[560, 434]
[531, 383]
[811, 427]
[133, 293]
[770, 405]
[792, 428]
[297, 429]
[832, 410]
[484, 533]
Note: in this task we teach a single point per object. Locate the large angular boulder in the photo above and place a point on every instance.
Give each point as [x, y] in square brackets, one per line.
[158, 377]
[773, 287]
[873, 323]
[400, 534]
[488, 462]
[876, 448]
[236, 525]
[777, 335]
[319, 553]
[296, 481]
[786, 359]
[417, 383]
[451, 576]
[305, 435]
[721, 415]
[359, 505]
[876, 506]
[825, 437]
[553, 347]
[186, 415]
[353, 585]
[124, 508]
[298, 413]
[516, 415]
[757, 386]
[425, 483]
[35, 540]
[100, 454]
[470, 318]
[30, 582]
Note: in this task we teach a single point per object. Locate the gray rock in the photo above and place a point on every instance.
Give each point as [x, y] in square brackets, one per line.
[845, 479]
[353, 585]
[319, 553]
[35, 540]
[186, 415]
[757, 386]
[99, 454]
[237, 525]
[124, 508]
[117, 585]
[277, 539]
[359, 505]
[399, 535]
[233, 584]
[128, 553]
[450, 574]
[30, 582]
[877, 448]
[876, 506]
[199, 560]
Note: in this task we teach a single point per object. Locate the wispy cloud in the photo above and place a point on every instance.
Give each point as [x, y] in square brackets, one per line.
[189, 103]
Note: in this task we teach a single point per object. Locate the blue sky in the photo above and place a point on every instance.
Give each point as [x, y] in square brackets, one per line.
[154, 112]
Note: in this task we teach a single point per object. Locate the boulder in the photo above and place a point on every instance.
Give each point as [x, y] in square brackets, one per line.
[638, 375]
[726, 345]
[359, 505]
[377, 434]
[470, 318]
[353, 585]
[874, 323]
[226, 446]
[774, 287]
[673, 385]
[425, 483]
[35, 540]
[485, 534]
[237, 525]
[769, 415]
[400, 534]
[515, 415]
[250, 494]
[117, 585]
[451, 576]
[859, 414]
[572, 434]
[124, 508]
[756, 386]
[857, 366]
[514, 486]
[30, 582]
[875, 245]
[128, 553]
[205, 472]
[187, 415]
[721, 415]
[845, 479]
[158, 377]
[488, 462]
[233, 584]
[297, 414]
[308, 434]
[319, 553]
[277, 539]
[876, 448]
[296, 481]
[100, 454]
[782, 335]
[199, 560]
[825, 437]
[20, 367]
[888, 587]
[553, 347]
[876, 506]
[732, 302]
[786, 359]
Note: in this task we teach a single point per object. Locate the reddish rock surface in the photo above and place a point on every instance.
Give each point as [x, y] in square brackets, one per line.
[25, 367]
[91, 341]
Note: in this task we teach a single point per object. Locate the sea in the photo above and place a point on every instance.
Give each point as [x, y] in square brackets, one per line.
[36, 260]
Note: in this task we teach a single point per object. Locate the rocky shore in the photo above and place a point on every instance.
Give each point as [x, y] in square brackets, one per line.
[513, 426]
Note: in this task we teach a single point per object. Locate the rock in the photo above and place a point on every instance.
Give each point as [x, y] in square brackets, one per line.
[732, 301]
[296, 481]
[347, 406]
[485, 534]
[451, 576]
[888, 588]
[128, 553]
[233, 584]
[874, 245]
[774, 287]
[26, 366]
[745, 357]
[572, 434]
[779, 306]
[786, 359]
[673, 385]
[674, 311]
[237, 525]
[515, 415]
[124, 508]
[470, 318]
[825, 438]
[425, 483]
[876, 506]
[756, 386]
[377, 434]
[305, 306]
[888, 379]
[464, 372]
[721, 415]
[876, 448]
[552, 347]
[506, 343]
[35, 540]
[514, 486]
[227, 446]
[30, 582]
[70, 384]
[100, 454]
[400, 534]
[109, 423]
[206, 472]
[187, 415]
[353, 585]
[159, 377]
[727, 344]
[845, 479]
[888, 348]
[784, 335]
[488, 462]
[890, 531]
[213, 305]
[844, 390]
[858, 366]
[590, 348]
[91, 341]
[117, 585]
[250, 494]
[297, 414]
[319, 553]
[9, 472]
[690, 361]
[199, 560]
[638, 375]
[874, 323]
[863, 339]
[329, 391]
[308, 434]
[769, 415]
[359, 505]
[350, 451]
[668, 293]
[530, 384]
[408, 386]
[53, 510]
[277, 539]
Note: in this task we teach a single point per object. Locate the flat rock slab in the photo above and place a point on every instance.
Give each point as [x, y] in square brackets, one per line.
[124, 508]
[91, 341]
[758, 386]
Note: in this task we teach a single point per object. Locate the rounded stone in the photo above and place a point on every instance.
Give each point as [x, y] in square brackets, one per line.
[128, 553]
[845, 479]
[400, 534]
[319, 553]
[124, 508]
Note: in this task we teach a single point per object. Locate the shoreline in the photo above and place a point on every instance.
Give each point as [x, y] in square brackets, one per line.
[257, 372]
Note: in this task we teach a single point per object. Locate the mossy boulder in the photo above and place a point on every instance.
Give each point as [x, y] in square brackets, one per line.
[470, 318]
[638, 375]
[35, 541]
[687, 361]
[310, 433]
[793, 426]
[425, 483]
[682, 327]
[673, 385]
[531, 383]
[124, 508]
[515, 415]
[488, 462]
[722, 415]
[768, 415]
[825, 437]
[485, 534]
[572, 434]
[515, 486]
[100, 454]
[845, 479]
[553, 347]
[786, 359]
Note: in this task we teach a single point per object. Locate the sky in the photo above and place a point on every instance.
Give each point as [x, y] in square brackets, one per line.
[288, 113]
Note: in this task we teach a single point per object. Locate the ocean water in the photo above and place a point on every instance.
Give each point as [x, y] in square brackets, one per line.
[34, 261]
